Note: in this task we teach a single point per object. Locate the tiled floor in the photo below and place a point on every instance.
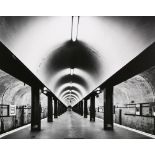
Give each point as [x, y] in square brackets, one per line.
[72, 126]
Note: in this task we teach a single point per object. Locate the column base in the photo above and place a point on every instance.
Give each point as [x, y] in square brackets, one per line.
[92, 119]
[49, 120]
[35, 128]
[108, 127]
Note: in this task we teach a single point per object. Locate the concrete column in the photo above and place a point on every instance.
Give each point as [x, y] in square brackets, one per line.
[50, 109]
[92, 108]
[120, 116]
[108, 108]
[55, 108]
[85, 108]
[22, 115]
[35, 109]
[81, 108]
[60, 107]
[141, 110]
[58, 104]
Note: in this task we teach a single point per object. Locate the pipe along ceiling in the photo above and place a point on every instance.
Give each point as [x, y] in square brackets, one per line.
[72, 56]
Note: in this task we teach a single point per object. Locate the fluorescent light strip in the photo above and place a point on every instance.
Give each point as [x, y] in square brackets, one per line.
[75, 22]
[71, 71]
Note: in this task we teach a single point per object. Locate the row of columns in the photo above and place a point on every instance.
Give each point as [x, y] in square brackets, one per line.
[79, 108]
[82, 108]
[59, 108]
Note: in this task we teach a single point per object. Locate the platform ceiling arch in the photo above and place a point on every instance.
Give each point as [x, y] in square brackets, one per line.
[103, 46]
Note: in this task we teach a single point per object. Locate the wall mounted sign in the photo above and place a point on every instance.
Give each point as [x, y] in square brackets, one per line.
[4, 110]
[12, 110]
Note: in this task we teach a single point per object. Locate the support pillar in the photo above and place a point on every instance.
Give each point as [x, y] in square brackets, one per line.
[92, 108]
[108, 108]
[55, 108]
[22, 115]
[81, 108]
[85, 109]
[58, 104]
[50, 109]
[35, 109]
[120, 116]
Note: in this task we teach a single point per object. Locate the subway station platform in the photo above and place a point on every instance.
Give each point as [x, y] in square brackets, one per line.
[72, 126]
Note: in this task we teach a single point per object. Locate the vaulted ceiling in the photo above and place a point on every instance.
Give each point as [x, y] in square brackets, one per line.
[72, 69]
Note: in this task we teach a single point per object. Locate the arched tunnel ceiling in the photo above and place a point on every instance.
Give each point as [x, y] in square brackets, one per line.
[134, 90]
[104, 45]
[15, 92]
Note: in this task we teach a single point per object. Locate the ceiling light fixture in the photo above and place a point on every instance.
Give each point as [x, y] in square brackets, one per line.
[74, 31]
[98, 90]
[44, 90]
[71, 71]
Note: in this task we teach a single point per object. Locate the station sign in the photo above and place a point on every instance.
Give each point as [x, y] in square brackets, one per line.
[4, 110]
[12, 110]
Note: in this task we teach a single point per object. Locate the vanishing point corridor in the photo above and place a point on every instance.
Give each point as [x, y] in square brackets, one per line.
[71, 126]
[77, 77]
